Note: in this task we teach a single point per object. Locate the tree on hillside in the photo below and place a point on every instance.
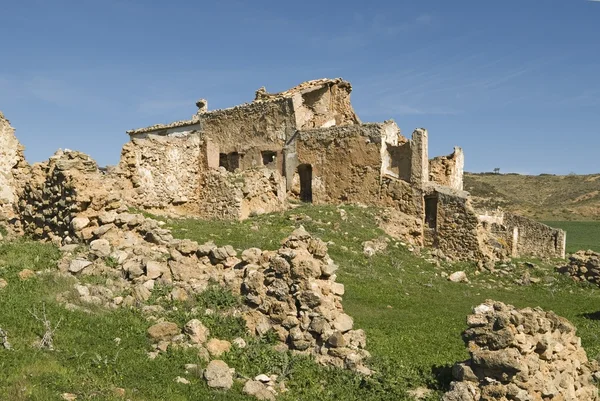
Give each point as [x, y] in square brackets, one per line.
[497, 170]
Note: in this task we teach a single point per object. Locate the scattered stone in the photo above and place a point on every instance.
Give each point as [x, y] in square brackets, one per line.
[79, 223]
[163, 330]
[100, 247]
[3, 283]
[196, 331]
[181, 380]
[239, 342]
[218, 347]
[258, 390]
[78, 265]
[155, 269]
[218, 375]
[26, 274]
[458, 277]
[263, 378]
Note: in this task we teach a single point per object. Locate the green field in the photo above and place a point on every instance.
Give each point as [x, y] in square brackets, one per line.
[581, 235]
[413, 318]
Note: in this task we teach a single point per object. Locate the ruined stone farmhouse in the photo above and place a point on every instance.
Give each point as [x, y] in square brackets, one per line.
[305, 144]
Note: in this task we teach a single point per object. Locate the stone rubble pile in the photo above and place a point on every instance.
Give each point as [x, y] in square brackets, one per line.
[66, 186]
[291, 291]
[522, 355]
[583, 266]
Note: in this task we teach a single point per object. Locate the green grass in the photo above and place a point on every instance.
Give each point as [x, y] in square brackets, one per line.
[581, 235]
[413, 318]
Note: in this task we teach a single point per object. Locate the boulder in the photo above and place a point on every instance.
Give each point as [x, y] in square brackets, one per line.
[218, 375]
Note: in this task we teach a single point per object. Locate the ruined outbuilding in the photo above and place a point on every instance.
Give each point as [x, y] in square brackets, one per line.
[308, 144]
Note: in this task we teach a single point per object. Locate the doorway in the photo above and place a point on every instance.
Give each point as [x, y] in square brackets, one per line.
[431, 209]
[305, 173]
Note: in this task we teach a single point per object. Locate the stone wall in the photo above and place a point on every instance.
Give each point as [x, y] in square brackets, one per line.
[345, 163]
[164, 171]
[522, 355]
[262, 125]
[535, 239]
[456, 234]
[238, 195]
[583, 266]
[319, 103]
[12, 169]
[69, 184]
[448, 170]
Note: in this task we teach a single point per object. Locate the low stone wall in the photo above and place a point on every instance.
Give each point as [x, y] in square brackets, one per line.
[535, 239]
[523, 355]
[164, 171]
[583, 266]
[238, 195]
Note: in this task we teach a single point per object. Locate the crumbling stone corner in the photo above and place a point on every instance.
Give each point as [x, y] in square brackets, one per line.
[419, 158]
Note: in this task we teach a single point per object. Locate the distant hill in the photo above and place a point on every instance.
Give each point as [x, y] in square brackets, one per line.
[542, 197]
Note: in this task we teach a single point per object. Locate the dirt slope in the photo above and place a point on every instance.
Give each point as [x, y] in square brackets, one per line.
[543, 197]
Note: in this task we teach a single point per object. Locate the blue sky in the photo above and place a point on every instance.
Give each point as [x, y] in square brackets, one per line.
[516, 83]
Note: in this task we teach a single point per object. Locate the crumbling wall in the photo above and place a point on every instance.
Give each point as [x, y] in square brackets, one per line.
[533, 238]
[522, 354]
[255, 125]
[583, 266]
[345, 161]
[319, 103]
[456, 232]
[69, 184]
[13, 167]
[419, 169]
[448, 170]
[238, 195]
[295, 295]
[164, 171]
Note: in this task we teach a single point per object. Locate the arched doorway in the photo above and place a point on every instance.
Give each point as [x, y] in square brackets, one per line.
[305, 173]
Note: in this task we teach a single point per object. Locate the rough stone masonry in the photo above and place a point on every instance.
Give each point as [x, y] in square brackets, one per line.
[522, 355]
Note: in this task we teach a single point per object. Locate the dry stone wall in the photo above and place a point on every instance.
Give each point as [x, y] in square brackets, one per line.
[294, 293]
[535, 239]
[522, 355]
[240, 194]
[256, 124]
[67, 186]
[583, 266]
[456, 234]
[164, 171]
[12, 169]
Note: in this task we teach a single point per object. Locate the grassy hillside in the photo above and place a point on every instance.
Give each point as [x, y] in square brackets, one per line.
[412, 315]
[542, 197]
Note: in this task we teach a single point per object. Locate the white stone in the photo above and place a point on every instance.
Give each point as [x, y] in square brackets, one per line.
[458, 277]
[218, 375]
[78, 265]
[79, 223]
